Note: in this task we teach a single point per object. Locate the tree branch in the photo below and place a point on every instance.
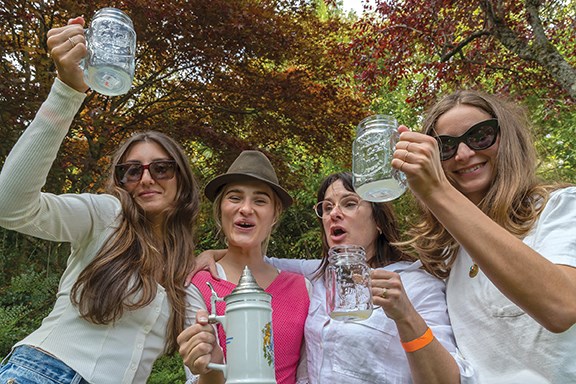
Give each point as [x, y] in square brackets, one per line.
[445, 56]
[540, 51]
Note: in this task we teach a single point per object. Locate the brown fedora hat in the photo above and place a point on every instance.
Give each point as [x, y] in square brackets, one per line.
[249, 165]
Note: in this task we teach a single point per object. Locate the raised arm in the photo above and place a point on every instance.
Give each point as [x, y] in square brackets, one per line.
[523, 274]
[23, 207]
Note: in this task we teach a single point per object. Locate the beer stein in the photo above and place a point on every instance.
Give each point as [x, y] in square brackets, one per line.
[373, 176]
[248, 326]
[347, 279]
[111, 43]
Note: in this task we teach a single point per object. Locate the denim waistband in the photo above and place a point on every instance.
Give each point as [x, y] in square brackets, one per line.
[44, 364]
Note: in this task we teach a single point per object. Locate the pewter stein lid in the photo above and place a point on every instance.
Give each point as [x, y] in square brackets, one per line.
[247, 284]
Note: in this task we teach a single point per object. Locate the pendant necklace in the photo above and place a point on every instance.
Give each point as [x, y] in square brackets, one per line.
[473, 270]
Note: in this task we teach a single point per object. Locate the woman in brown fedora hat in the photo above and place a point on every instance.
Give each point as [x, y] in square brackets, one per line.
[248, 202]
[408, 339]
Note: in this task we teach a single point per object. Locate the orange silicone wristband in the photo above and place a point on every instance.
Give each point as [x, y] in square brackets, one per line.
[420, 342]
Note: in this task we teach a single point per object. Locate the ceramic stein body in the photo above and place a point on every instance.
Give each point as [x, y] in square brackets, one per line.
[248, 325]
[111, 43]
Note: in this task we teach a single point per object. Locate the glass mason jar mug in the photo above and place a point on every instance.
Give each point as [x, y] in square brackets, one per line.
[347, 279]
[111, 43]
[373, 176]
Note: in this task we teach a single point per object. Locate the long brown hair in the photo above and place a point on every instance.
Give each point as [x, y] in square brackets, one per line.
[122, 275]
[385, 219]
[515, 197]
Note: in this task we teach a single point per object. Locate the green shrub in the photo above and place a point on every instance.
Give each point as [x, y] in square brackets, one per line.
[23, 304]
[168, 370]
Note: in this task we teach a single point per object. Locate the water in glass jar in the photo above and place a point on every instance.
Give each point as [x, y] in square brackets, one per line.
[381, 190]
[372, 151]
[347, 278]
[108, 80]
[351, 315]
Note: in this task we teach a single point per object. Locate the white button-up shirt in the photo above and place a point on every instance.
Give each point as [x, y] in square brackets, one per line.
[369, 351]
[503, 342]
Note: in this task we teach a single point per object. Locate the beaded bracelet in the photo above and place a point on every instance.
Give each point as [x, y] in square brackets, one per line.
[420, 342]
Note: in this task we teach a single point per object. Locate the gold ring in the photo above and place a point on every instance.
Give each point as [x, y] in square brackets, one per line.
[384, 293]
[72, 42]
[406, 156]
[403, 162]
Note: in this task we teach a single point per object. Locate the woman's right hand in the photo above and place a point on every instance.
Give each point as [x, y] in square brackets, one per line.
[67, 47]
[198, 346]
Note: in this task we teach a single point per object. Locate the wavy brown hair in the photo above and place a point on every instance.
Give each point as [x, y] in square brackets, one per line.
[385, 219]
[122, 276]
[515, 197]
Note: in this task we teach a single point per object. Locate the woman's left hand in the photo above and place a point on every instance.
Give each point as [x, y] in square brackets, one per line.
[388, 293]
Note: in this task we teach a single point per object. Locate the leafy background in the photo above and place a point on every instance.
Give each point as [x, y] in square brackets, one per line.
[291, 78]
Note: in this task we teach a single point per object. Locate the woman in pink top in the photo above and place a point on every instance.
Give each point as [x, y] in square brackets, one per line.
[248, 202]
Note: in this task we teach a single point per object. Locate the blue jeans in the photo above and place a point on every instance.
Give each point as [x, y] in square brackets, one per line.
[28, 365]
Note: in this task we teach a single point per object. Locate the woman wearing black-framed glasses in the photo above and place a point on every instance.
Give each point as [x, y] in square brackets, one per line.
[508, 240]
[121, 302]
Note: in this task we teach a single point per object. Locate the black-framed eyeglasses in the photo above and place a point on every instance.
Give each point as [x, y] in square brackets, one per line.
[479, 136]
[348, 205]
[132, 172]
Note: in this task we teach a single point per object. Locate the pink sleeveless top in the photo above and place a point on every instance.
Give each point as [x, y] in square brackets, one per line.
[290, 303]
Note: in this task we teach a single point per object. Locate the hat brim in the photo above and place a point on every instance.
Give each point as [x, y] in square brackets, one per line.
[213, 187]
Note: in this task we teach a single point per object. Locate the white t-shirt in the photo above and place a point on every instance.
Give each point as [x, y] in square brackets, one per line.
[505, 345]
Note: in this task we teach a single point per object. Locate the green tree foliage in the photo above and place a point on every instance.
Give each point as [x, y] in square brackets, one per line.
[27, 299]
[520, 47]
[409, 52]
[220, 76]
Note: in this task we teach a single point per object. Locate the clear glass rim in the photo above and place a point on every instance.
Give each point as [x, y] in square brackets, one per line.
[114, 12]
[373, 121]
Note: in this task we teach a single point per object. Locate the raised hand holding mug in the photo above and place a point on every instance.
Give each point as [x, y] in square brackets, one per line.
[110, 61]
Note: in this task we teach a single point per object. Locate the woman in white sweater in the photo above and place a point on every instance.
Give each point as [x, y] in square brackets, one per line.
[121, 301]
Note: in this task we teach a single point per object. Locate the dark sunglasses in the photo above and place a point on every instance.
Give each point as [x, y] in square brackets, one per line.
[132, 172]
[480, 136]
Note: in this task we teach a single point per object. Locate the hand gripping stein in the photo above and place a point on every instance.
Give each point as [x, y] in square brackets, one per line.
[248, 326]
